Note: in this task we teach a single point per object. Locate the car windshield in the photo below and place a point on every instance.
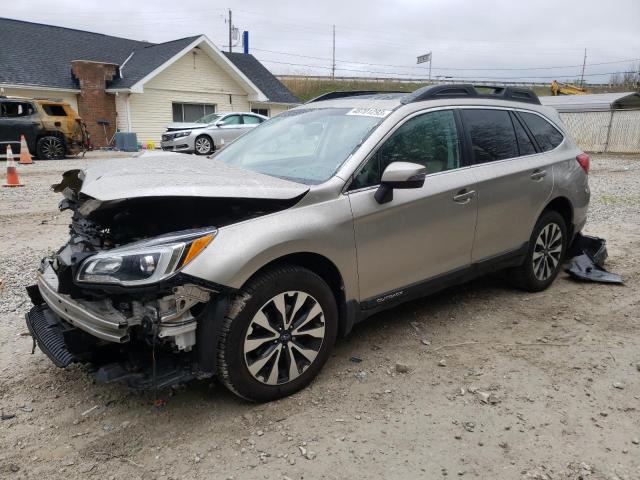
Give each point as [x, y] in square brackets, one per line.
[306, 145]
[211, 118]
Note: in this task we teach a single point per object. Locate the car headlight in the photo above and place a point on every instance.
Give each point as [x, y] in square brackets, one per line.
[181, 134]
[147, 261]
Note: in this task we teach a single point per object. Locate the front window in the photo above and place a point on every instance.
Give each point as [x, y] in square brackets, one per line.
[306, 145]
[232, 120]
[430, 139]
[209, 119]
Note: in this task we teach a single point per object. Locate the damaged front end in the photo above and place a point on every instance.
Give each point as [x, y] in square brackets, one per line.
[115, 295]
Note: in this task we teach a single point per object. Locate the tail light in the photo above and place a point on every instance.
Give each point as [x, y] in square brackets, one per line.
[583, 160]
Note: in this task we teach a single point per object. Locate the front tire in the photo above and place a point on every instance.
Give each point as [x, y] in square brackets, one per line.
[203, 145]
[277, 334]
[547, 248]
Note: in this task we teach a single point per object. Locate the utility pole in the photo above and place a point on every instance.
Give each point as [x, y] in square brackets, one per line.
[333, 65]
[230, 32]
[584, 62]
[430, 60]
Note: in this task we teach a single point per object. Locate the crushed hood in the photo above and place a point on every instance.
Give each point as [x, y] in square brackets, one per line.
[178, 175]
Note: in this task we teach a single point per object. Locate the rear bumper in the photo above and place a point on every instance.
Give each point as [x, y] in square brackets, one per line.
[107, 325]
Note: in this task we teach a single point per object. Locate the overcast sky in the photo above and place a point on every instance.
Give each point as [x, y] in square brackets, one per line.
[496, 39]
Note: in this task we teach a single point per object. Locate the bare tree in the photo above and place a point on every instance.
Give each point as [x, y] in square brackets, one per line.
[630, 78]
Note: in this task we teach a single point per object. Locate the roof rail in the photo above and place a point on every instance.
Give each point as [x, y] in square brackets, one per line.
[350, 93]
[467, 90]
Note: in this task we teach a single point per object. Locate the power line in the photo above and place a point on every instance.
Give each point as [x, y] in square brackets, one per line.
[410, 74]
[446, 68]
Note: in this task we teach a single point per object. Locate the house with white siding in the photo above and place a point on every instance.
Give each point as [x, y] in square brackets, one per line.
[130, 85]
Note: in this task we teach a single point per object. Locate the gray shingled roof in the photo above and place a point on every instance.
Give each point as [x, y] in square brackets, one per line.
[262, 78]
[147, 59]
[36, 54]
[40, 55]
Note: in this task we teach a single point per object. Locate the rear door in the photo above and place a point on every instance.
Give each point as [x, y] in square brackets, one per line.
[230, 129]
[422, 232]
[513, 180]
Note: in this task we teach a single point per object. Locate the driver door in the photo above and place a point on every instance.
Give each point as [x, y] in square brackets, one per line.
[423, 232]
[231, 128]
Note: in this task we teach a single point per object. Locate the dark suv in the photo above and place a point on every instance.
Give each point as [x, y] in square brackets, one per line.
[51, 128]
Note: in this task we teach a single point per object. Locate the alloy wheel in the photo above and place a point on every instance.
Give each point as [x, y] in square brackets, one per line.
[284, 338]
[52, 147]
[547, 252]
[203, 145]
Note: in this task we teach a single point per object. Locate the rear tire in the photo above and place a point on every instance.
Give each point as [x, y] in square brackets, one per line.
[547, 248]
[277, 334]
[50, 148]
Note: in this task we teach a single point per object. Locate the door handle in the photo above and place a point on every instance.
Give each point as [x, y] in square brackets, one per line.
[538, 174]
[464, 196]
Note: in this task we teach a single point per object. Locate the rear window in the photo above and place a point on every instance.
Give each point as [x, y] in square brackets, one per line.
[55, 110]
[492, 134]
[547, 136]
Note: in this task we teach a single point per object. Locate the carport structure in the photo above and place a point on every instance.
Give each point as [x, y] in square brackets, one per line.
[604, 122]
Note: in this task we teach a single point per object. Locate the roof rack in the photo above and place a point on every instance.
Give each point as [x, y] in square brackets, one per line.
[467, 90]
[350, 93]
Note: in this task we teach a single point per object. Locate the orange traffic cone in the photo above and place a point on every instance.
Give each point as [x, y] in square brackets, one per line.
[25, 156]
[12, 174]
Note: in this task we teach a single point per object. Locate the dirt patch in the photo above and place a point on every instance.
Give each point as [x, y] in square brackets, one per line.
[495, 383]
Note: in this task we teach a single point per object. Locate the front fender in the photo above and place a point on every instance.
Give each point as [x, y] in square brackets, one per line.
[240, 250]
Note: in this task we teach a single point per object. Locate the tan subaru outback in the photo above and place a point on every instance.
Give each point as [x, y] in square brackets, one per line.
[248, 265]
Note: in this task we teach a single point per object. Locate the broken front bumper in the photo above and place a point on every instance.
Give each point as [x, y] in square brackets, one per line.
[105, 324]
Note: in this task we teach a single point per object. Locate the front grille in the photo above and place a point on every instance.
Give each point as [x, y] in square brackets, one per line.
[166, 137]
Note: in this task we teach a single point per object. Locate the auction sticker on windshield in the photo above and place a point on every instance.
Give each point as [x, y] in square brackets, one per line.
[369, 112]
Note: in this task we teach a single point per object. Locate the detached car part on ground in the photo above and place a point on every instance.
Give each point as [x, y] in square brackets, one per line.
[210, 133]
[52, 128]
[243, 266]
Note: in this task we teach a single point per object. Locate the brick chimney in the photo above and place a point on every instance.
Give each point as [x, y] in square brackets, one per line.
[93, 102]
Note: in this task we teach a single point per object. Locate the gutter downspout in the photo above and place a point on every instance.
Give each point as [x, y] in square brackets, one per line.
[128, 112]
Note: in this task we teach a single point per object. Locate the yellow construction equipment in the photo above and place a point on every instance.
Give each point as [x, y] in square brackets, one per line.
[558, 88]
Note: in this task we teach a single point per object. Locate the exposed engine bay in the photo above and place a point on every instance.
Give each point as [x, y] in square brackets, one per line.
[132, 317]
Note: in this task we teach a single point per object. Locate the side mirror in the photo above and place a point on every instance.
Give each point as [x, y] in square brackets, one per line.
[219, 123]
[399, 175]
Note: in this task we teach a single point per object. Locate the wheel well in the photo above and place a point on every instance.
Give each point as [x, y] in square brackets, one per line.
[321, 266]
[55, 134]
[213, 143]
[563, 206]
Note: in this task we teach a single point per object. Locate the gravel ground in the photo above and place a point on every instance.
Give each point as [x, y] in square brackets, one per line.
[480, 381]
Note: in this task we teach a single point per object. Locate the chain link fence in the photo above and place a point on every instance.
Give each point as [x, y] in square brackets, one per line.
[614, 131]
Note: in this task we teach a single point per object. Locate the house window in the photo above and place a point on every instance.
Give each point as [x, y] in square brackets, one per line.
[261, 111]
[190, 112]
